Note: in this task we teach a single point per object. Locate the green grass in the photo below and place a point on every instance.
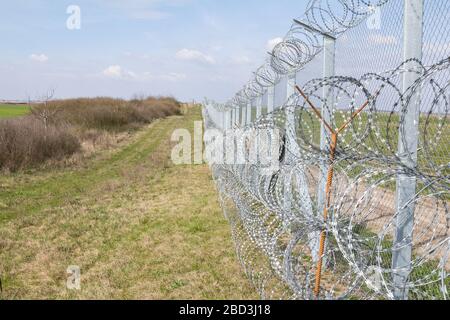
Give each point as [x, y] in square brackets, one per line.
[138, 226]
[427, 272]
[8, 111]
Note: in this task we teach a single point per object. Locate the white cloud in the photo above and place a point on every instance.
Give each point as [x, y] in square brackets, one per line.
[272, 43]
[194, 55]
[117, 72]
[39, 57]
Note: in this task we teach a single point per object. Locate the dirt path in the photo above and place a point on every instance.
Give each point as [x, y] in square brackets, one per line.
[138, 227]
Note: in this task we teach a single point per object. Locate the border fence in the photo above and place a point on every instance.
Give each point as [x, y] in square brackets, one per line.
[353, 104]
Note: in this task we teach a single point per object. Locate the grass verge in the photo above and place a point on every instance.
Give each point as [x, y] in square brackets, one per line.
[138, 227]
[8, 111]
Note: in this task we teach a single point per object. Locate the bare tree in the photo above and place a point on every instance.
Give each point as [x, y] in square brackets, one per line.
[43, 111]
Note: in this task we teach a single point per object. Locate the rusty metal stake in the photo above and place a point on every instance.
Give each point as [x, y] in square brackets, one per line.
[330, 176]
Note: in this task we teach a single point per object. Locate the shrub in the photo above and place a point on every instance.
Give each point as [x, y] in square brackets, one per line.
[113, 114]
[47, 133]
[27, 142]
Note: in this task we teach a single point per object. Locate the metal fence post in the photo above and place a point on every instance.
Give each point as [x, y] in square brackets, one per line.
[243, 116]
[232, 118]
[223, 120]
[407, 150]
[290, 125]
[270, 99]
[227, 120]
[291, 81]
[258, 107]
[290, 116]
[329, 54]
[270, 110]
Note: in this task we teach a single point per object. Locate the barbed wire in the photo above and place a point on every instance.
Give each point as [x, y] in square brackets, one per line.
[301, 44]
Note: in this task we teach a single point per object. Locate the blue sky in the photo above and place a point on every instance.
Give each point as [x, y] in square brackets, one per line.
[186, 48]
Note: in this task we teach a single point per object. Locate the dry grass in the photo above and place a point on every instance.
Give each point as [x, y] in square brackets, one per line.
[59, 129]
[112, 114]
[25, 142]
[139, 228]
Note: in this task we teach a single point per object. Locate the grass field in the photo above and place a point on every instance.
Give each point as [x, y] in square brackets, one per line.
[139, 227]
[11, 111]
